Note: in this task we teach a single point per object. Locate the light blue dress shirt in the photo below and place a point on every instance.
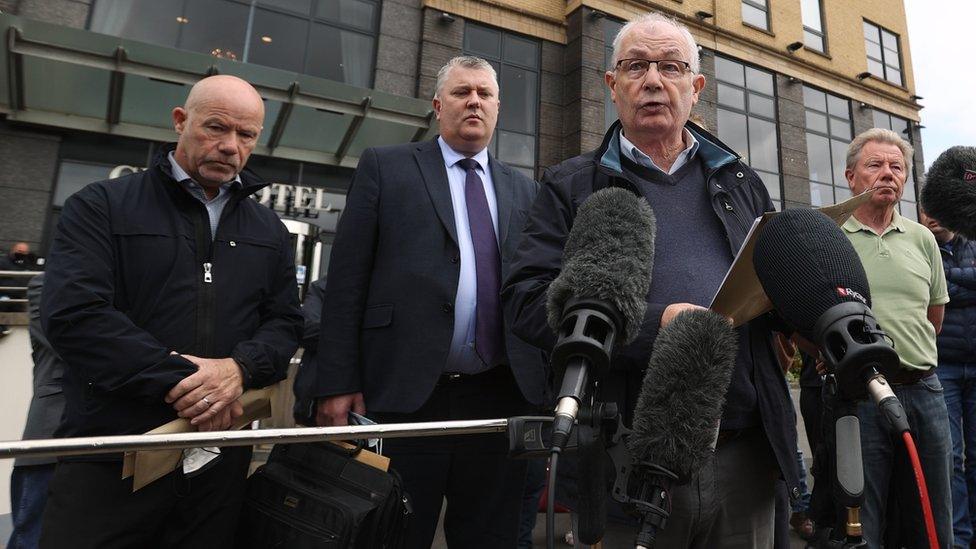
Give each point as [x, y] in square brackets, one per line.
[462, 357]
[638, 157]
[215, 206]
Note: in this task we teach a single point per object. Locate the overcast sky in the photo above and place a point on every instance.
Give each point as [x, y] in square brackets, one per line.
[942, 38]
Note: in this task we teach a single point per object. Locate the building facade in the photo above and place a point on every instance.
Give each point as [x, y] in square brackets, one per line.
[90, 83]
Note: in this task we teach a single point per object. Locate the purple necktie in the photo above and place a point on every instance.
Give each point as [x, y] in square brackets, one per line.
[488, 319]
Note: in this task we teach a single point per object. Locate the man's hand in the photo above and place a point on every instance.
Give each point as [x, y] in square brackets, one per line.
[202, 396]
[223, 420]
[334, 410]
[674, 309]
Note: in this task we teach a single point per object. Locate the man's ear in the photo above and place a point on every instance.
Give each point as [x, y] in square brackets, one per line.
[179, 119]
[436, 102]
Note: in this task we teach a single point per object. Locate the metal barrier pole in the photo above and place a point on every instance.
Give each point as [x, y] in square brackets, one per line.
[131, 443]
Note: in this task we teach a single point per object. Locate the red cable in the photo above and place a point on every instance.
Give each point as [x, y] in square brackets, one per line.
[923, 491]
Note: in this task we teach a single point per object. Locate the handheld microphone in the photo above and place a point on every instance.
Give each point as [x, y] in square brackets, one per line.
[815, 280]
[678, 411]
[949, 194]
[600, 295]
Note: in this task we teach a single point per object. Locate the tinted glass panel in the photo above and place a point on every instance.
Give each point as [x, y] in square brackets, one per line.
[908, 209]
[840, 128]
[811, 14]
[516, 148]
[842, 193]
[814, 99]
[482, 41]
[152, 21]
[278, 40]
[816, 121]
[870, 31]
[889, 40]
[731, 97]
[813, 41]
[519, 97]
[894, 76]
[215, 27]
[771, 180]
[838, 150]
[355, 13]
[298, 6]
[821, 195]
[732, 131]
[74, 176]
[873, 50]
[729, 71]
[875, 68]
[521, 51]
[345, 56]
[759, 81]
[891, 58]
[881, 120]
[838, 107]
[818, 158]
[762, 145]
[753, 16]
[761, 105]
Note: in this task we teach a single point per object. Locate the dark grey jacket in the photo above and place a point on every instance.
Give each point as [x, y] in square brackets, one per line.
[388, 311]
[47, 404]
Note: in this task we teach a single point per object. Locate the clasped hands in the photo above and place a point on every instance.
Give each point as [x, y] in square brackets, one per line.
[209, 396]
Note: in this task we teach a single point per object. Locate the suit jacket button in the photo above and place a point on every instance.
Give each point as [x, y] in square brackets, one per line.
[455, 259]
[447, 307]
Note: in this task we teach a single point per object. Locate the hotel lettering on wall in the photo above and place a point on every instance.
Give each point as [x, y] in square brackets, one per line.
[293, 201]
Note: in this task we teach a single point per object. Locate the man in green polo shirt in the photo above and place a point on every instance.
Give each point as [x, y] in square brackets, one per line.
[908, 291]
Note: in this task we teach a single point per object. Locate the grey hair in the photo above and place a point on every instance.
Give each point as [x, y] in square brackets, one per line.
[879, 135]
[654, 18]
[467, 62]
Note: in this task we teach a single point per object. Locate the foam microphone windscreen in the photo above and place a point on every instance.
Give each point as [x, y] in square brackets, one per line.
[949, 194]
[680, 402]
[807, 265]
[608, 256]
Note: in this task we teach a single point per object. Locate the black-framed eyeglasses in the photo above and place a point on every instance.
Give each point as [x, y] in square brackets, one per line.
[668, 68]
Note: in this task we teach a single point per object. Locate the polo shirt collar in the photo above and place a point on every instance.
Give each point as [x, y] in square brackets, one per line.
[852, 225]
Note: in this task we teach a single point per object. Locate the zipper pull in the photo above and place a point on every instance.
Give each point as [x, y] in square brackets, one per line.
[727, 205]
[207, 277]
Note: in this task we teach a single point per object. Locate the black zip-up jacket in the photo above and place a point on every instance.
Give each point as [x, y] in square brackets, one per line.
[957, 340]
[738, 196]
[134, 275]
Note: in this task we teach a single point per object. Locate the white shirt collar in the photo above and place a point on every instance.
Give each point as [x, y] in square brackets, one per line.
[451, 156]
[180, 174]
[638, 157]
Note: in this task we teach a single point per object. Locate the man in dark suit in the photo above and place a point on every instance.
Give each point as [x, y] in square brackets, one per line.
[412, 327]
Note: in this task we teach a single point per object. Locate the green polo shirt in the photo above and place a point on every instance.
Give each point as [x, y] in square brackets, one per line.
[905, 275]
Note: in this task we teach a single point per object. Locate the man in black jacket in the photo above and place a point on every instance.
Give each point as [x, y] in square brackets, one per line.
[704, 200]
[411, 316]
[168, 293]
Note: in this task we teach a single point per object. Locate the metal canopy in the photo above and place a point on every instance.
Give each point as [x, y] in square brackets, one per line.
[76, 79]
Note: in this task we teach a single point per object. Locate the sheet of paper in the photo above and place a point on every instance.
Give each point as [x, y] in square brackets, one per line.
[741, 297]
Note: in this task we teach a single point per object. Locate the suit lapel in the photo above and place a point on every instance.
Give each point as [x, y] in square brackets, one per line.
[501, 175]
[431, 163]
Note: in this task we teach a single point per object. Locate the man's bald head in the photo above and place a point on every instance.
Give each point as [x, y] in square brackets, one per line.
[219, 125]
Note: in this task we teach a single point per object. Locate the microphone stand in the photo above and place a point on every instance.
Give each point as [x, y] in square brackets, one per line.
[849, 469]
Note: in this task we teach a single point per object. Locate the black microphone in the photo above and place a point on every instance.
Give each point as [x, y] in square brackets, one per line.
[678, 411]
[815, 280]
[949, 194]
[600, 295]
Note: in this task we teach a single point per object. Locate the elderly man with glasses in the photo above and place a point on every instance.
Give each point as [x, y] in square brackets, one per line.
[704, 199]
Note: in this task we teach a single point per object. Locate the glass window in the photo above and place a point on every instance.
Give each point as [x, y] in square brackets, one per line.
[516, 59]
[334, 39]
[276, 38]
[828, 125]
[756, 13]
[747, 120]
[883, 54]
[340, 55]
[813, 30]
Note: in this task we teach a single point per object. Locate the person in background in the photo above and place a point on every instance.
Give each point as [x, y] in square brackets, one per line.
[30, 477]
[304, 410]
[908, 297]
[957, 372]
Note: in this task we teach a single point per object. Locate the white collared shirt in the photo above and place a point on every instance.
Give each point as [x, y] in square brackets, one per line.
[638, 157]
[462, 357]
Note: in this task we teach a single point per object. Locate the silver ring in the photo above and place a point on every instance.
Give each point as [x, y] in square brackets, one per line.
[207, 401]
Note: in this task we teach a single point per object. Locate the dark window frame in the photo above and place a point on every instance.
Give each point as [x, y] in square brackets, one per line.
[763, 6]
[821, 33]
[781, 201]
[501, 63]
[883, 61]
